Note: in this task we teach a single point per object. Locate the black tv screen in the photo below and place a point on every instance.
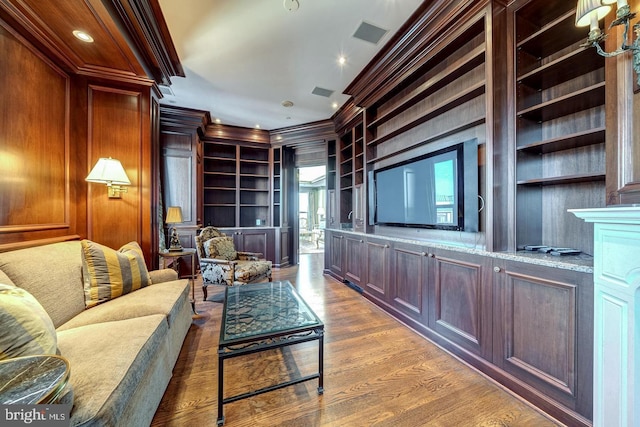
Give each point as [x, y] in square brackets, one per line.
[437, 190]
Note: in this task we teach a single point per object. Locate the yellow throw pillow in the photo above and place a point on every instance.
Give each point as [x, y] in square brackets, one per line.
[108, 273]
[221, 248]
[26, 328]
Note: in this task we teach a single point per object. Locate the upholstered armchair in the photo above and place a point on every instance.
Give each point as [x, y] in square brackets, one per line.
[221, 264]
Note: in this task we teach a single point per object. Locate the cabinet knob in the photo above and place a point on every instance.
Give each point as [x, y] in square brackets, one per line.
[423, 253]
[386, 246]
[431, 255]
[361, 241]
[497, 269]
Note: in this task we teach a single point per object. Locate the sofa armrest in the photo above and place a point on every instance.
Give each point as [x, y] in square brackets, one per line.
[163, 275]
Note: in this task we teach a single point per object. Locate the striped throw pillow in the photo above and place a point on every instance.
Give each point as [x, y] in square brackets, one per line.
[26, 328]
[109, 274]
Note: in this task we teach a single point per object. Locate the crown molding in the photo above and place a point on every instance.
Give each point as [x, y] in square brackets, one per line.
[308, 133]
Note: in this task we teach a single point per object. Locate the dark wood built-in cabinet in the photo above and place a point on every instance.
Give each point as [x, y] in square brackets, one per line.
[528, 326]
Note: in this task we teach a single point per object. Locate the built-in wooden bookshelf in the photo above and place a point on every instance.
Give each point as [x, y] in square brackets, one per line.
[559, 125]
[237, 187]
[451, 79]
[277, 186]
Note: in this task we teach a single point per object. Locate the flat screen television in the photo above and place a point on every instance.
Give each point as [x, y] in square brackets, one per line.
[438, 190]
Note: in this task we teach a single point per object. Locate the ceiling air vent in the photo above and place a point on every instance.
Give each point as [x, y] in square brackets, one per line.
[322, 92]
[166, 90]
[369, 33]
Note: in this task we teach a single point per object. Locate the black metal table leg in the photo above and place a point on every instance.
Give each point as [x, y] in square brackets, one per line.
[321, 362]
[220, 421]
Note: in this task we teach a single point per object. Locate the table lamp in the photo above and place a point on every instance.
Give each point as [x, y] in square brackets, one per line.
[174, 216]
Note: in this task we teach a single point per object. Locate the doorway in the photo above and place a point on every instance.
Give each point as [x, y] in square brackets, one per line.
[312, 190]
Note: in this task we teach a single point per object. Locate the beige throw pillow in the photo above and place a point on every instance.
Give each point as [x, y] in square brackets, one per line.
[26, 328]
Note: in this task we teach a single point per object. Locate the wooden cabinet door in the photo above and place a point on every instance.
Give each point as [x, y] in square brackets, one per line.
[459, 300]
[336, 243]
[376, 278]
[260, 240]
[407, 288]
[354, 265]
[544, 330]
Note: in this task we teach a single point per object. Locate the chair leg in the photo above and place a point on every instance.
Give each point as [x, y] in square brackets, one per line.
[204, 291]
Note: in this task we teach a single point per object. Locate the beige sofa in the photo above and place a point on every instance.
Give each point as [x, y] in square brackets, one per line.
[121, 352]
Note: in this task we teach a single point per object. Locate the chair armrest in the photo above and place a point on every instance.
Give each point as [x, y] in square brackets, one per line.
[217, 261]
[163, 275]
[256, 254]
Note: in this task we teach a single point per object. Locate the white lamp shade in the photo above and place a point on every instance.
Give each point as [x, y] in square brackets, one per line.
[585, 9]
[174, 215]
[108, 171]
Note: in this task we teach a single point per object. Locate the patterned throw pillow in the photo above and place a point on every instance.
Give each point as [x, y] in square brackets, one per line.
[221, 248]
[26, 328]
[108, 273]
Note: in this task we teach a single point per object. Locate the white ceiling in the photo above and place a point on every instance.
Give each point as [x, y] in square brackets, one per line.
[242, 58]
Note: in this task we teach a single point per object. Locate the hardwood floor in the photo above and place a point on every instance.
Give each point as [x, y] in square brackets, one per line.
[376, 372]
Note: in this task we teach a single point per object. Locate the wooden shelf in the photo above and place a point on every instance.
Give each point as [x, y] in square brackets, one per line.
[579, 100]
[460, 67]
[556, 35]
[565, 142]
[567, 67]
[568, 179]
[459, 128]
[448, 104]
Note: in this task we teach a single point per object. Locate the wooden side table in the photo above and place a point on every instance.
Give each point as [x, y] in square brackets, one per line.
[175, 255]
[31, 380]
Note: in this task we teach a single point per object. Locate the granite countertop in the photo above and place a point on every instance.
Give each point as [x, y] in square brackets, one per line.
[581, 263]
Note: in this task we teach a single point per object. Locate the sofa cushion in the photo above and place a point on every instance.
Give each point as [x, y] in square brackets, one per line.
[26, 328]
[107, 362]
[161, 298]
[220, 248]
[109, 274]
[248, 271]
[49, 273]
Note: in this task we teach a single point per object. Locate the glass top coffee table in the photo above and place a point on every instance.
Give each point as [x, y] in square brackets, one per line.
[264, 316]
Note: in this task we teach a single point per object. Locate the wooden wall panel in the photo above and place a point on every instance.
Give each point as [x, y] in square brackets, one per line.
[37, 199]
[116, 122]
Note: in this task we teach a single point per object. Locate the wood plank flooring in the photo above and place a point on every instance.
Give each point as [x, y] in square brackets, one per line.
[377, 371]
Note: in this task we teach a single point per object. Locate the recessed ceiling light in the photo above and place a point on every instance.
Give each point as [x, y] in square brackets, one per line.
[291, 5]
[334, 105]
[279, 138]
[81, 35]
[287, 104]
[218, 121]
[257, 126]
[342, 60]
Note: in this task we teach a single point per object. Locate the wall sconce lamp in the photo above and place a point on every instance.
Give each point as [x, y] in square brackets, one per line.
[110, 171]
[589, 12]
[174, 216]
